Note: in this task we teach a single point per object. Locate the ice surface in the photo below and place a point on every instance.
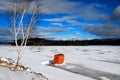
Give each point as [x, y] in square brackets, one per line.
[81, 62]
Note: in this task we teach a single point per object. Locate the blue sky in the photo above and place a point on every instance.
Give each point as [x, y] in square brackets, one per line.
[72, 19]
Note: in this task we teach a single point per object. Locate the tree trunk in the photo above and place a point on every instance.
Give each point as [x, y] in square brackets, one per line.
[18, 59]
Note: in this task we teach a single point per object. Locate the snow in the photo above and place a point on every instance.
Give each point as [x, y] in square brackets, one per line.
[81, 62]
[7, 74]
[104, 78]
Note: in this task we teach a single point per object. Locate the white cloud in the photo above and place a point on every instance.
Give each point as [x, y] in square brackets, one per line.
[74, 22]
[58, 6]
[104, 31]
[85, 24]
[88, 11]
[67, 7]
[80, 9]
[117, 11]
[69, 19]
[52, 29]
[99, 5]
[6, 5]
[1, 8]
[57, 24]
[5, 34]
[116, 14]
[64, 18]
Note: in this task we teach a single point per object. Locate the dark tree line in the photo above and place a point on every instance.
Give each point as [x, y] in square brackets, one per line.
[45, 42]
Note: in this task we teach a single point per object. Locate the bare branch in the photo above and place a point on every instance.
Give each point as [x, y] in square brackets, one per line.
[22, 27]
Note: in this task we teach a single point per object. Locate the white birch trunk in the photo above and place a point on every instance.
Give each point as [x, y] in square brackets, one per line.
[20, 8]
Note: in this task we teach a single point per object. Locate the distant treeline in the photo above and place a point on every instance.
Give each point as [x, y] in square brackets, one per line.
[45, 42]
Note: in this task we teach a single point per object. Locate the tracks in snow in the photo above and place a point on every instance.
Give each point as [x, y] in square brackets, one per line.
[81, 70]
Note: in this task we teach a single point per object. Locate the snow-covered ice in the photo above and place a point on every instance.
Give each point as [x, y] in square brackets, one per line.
[81, 62]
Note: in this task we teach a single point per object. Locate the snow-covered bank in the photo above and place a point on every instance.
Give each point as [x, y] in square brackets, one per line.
[81, 62]
[7, 74]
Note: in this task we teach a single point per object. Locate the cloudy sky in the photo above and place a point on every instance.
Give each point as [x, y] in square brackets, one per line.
[72, 19]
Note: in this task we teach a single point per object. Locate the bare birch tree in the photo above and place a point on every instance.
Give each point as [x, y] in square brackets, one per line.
[23, 15]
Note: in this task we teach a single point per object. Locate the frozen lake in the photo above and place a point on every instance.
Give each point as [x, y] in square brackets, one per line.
[81, 62]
